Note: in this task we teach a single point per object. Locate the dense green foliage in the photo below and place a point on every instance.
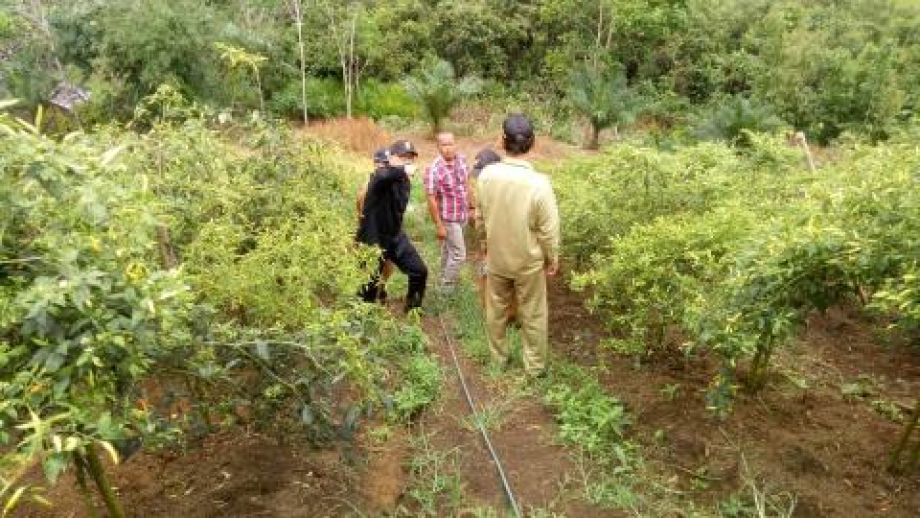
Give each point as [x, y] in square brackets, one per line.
[732, 251]
[150, 253]
[222, 273]
[822, 67]
[84, 310]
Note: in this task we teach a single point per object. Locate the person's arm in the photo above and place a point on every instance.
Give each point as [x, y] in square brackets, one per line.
[472, 203]
[470, 197]
[387, 176]
[481, 221]
[431, 190]
[547, 227]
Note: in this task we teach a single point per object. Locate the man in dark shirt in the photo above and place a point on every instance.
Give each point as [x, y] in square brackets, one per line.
[381, 159]
[381, 223]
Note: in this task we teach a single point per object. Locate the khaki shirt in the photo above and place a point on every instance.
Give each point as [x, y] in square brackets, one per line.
[517, 217]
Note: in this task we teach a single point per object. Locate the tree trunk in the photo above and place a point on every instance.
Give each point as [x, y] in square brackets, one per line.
[350, 81]
[595, 141]
[102, 483]
[303, 62]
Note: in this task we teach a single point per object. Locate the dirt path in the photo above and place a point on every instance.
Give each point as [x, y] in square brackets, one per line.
[541, 472]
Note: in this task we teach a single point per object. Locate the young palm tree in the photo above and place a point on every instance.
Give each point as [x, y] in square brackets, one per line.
[437, 90]
[602, 95]
[729, 120]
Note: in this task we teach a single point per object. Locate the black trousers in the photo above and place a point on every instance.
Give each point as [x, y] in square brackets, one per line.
[403, 254]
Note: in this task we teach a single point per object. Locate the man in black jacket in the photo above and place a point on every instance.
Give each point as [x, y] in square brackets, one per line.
[382, 219]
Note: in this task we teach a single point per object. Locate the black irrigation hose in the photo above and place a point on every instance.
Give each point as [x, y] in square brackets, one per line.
[485, 436]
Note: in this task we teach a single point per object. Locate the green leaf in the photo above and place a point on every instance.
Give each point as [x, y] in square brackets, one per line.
[53, 465]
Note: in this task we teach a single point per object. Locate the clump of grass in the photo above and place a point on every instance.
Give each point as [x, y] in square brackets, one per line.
[423, 384]
[435, 485]
[588, 418]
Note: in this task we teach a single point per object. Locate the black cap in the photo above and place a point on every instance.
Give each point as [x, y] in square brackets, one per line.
[483, 158]
[381, 155]
[517, 128]
[403, 147]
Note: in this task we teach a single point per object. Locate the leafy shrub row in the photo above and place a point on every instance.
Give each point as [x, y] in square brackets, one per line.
[732, 251]
[177, 261]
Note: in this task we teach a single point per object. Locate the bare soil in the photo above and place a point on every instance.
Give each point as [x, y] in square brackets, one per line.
[231, 474]
[798, 436]
[363, 136]
[540, 471]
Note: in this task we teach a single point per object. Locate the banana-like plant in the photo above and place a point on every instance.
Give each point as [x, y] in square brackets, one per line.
[601, 94]
[436, 88]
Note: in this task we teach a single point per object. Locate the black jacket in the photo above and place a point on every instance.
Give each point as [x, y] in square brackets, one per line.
[384, 205]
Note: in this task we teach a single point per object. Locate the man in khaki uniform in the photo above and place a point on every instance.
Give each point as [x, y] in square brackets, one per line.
[519, 224]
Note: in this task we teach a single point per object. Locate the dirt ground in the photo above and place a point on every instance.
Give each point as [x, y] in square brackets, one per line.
[800, 435]
[232, 474]
[363, 137]
[521, 429]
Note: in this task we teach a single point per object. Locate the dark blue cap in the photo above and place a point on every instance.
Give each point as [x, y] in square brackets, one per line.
[381, 155]
[518, 128]
[403, 148]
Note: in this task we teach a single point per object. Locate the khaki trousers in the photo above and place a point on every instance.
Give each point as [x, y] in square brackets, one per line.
[530, 291]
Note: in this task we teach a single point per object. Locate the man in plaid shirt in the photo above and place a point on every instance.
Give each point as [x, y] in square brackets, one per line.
[447, 186]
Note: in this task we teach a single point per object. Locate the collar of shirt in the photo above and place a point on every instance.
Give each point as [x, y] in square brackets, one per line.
[517, 162]
[459, 163]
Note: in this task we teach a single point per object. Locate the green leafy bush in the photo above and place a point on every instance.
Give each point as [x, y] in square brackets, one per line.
[85, 311]
[588, 418]
[380, 100]
[658, 269]
[733, 250]
[325, 99]
[423, 384]
[261, 314]
[603, 197]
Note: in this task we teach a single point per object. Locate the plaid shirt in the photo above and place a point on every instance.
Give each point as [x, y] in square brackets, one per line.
[447, 182]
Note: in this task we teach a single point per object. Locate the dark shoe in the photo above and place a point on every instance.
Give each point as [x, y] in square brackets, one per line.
[413, 300]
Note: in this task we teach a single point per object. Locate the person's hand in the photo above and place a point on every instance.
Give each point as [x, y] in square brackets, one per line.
[442, 232]
[552, 268]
